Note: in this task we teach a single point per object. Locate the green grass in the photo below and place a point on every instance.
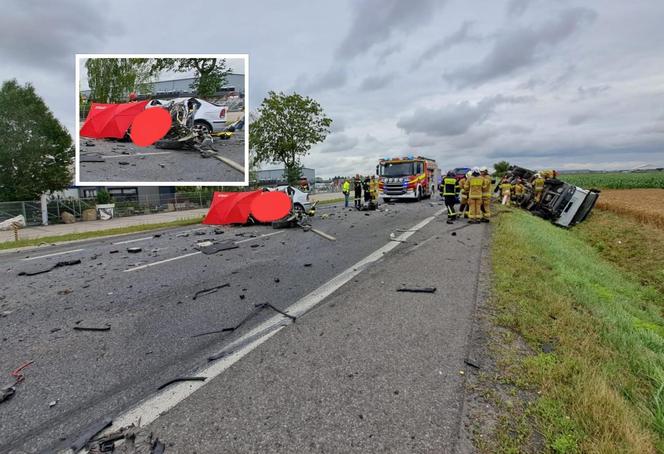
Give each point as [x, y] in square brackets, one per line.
[616, 180]
[600, 389]
[97, 233]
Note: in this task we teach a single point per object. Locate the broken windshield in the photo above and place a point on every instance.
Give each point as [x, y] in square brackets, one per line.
[396, 169]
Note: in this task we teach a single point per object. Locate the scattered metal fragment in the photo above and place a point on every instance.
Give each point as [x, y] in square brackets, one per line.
[179, 379]
[7, 393]
[123, 163]
[182, 235]
[199, 232]
[52, 403]
[218, 231]
[134, 250]
[417, 289]
[89, 433]
[156, 235]
[46, 270]
[114, 251]
[262, 305]
[218, 247]
[277, 280]
[207, 291]
[471, 363]
[453, 233]
[92, 328]
[307, 264]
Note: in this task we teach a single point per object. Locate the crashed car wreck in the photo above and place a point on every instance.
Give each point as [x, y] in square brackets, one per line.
[563, 204]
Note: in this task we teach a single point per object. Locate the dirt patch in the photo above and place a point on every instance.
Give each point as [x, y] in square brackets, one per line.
[643, 204]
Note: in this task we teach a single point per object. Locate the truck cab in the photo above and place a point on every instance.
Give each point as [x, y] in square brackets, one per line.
[408, 177]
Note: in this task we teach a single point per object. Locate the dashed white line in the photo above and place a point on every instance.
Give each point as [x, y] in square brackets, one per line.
[134, 240]
[151, 408]
[54, 254]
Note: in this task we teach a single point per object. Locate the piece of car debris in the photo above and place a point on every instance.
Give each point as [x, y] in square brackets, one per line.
[207, 291]
[89, 433]
[199, 232]
[7, 393]
[123, 163]
[218, 231]
[156, 235]
[218, 247]
[417, 289]
[92, 159]
[93, 328]
[46, 270]
[179, 379]
[52, 403]
[307, 264]
[134, 250]
[114, 251]
[471, 363]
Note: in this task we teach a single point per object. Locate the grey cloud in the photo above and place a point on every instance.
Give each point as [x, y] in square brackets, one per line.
[376, 82]
[336, 143]
[455, 119]
[592, 92]
[383, 55]
[578, 119]
[374, 21]
[517, 7]
[588, 151]
[461, 36]
[520, 47]
[48, 34]
[338, 124]
[333, 78]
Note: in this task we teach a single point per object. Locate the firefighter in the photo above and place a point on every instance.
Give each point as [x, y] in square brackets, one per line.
[538, 185]
[506, 190]
[463, 196]
[373, 190]
[449, 191]
[367, 190]
[357, 185]
[519, 190]
[345, 188]
[486, 194]
[475, 187]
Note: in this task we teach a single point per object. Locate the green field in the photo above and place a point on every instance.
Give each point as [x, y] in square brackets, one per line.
[616, 180]
[600, 386]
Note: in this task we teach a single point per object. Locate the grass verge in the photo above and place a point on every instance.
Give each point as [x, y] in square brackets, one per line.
[97, 233]
[594, 336]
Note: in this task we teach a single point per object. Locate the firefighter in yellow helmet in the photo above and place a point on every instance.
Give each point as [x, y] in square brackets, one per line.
[449, 191]
[486, 194]
[463, 196]
[538, 186]
[519, 190]
[373, 190]
[506, 191]
[475, 188]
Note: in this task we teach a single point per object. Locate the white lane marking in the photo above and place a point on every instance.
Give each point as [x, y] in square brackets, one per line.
[54, 254]
[259, 237]
[148, 265]
[151, 408]
[134, 240]
[136, 154]
[161, 261]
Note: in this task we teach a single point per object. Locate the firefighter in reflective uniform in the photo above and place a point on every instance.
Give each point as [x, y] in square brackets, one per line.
[367, 190]
[475, 187]
[538, 185]
[519, 190]
[506, 191]
[345, 188]
[486, 194]
[463, 196]
[357, 186]
[449, 190]
[373, 191]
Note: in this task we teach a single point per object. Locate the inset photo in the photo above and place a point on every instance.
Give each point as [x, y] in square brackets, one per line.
[155, 120]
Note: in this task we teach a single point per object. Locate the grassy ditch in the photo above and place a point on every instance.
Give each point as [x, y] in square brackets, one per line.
[594, 330]
[97, 233]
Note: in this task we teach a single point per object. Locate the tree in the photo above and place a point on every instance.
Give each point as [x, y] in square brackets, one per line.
[210, 73]
[36, 151]
[501, 167]
[112, 79]
[286, 128]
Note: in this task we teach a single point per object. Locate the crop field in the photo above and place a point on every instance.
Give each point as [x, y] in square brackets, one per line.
[645, 205]
[616, 180]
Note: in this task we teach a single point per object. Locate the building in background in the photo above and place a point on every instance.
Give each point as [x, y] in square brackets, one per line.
[275, 177]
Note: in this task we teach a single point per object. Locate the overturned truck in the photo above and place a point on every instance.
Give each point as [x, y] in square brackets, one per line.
[563, 204]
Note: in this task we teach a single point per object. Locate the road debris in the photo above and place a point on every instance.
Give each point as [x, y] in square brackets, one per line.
[92, 159]
[180, 379]
[114, 251]
[218, 231]
[471, 363]
[218, 247]
[257, 308]
[207, 291]
[46, 270]
[134, 250]
[417, 289]
[52, 403]
[93, 328]
[307, 264]
[7, 393]
[89, 433]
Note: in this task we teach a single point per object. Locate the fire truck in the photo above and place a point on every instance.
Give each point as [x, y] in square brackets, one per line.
[407, 177]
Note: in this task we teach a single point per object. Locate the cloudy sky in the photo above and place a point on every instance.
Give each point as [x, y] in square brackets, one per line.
[566, 83]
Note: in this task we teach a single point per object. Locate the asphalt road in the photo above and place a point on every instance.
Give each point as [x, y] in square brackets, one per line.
[147, 300]
[125, 162]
